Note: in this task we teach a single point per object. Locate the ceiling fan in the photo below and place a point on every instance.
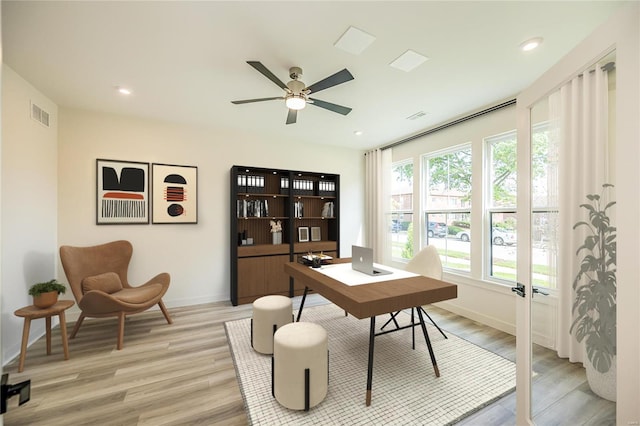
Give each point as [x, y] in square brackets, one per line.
[297, 93]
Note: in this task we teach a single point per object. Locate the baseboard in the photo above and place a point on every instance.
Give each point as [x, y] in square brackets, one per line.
[479, 317]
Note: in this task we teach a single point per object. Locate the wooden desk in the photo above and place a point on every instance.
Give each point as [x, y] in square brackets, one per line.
[31, 312]
[377, 298]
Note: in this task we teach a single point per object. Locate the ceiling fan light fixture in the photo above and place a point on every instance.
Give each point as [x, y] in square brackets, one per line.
[296, 102]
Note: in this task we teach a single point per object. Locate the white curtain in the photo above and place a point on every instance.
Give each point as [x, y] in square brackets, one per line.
[579, 128]
[376, 205]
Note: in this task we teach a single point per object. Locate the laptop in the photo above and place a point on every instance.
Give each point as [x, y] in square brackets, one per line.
[362, 261]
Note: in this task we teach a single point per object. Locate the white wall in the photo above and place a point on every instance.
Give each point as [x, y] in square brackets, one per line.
[196, 256]
[29, 203]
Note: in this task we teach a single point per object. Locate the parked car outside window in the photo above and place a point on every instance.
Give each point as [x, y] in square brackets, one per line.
[499, 237]
[437, 229]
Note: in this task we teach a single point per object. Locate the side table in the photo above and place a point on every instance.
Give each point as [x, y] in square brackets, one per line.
[31, 312]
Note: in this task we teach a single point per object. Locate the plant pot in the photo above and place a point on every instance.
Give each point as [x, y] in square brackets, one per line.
[45, 300]
[276, 237]
[602, 384]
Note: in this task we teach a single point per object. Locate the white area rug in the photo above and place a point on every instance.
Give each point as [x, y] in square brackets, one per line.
[405, 390]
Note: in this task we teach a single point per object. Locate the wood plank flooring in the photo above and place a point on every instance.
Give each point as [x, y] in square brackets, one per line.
[183, 374]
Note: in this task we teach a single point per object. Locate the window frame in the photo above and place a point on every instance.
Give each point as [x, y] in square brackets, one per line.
[425, 209]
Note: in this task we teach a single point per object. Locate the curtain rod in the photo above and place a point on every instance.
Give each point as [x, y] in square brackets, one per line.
[606, 67]
[451, 123]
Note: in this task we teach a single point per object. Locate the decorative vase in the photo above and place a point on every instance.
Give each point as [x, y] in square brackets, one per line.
[277, 237]
[602, 384]
[45, 300]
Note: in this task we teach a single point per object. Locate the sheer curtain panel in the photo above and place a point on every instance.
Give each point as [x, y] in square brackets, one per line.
[580, 112]
[377, 175]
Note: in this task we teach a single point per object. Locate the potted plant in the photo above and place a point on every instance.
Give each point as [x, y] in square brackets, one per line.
[595, 286]
[46, 294]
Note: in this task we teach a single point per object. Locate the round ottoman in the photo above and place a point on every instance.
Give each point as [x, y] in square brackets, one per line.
[269, 313]
[300, 365]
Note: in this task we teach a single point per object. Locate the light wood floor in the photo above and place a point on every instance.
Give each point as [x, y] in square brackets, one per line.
[183, 374]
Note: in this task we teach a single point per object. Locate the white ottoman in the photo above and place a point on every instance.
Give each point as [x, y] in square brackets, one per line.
[269, 314]
[300, 365]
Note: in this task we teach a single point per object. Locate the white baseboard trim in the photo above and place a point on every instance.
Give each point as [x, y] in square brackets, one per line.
[479, 317]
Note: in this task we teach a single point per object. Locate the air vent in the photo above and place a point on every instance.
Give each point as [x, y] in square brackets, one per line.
[416, 115]
[40, 115]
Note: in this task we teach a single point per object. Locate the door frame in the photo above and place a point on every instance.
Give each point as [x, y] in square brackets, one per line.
[621, 32]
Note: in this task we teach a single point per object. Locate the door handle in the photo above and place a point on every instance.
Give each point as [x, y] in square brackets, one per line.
[538, 290]
[518, 289]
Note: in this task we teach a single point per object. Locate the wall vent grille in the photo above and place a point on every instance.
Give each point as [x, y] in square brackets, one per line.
[416, 115]
[40, 115]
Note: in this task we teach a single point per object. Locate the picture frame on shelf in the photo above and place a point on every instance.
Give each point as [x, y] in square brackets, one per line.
[122, 192]
[303, 234]
[175, 194]
[316, 234]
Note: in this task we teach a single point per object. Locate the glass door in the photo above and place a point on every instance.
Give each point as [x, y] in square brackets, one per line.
[536, 215]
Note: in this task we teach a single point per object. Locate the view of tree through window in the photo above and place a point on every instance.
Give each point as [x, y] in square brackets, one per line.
[447, 206]
[445, 220]
[502, 182]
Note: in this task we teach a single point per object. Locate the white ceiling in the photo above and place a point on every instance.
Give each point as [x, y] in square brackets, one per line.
[186, 61]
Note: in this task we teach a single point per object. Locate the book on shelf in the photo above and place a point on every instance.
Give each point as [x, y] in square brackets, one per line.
[298, 209]
[326, 188]
[252, 208]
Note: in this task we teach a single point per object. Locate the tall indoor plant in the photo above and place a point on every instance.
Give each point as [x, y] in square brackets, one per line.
[595, 286]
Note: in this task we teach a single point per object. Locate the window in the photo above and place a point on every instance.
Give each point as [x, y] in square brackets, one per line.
[501, 190]
[447, 206]
[544, 200]
[400, 218]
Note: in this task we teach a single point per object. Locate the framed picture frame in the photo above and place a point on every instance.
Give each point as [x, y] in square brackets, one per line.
[122, 192]
[316, 234]
[175, 194]
[303, 234]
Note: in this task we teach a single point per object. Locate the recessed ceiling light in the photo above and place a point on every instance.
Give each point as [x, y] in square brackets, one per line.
[354, 41]
[357, 132]
[123, 90]
[531, 44]
[408, 61]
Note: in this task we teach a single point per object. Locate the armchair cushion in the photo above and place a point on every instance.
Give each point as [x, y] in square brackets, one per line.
[109, 282]
[139, 295]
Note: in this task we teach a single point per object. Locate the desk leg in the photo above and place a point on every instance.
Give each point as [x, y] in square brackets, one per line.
[372, 336]
[426, 338]
[413, 331]
[25, 340]
[304, 296]
[48, 320]
[63, 333]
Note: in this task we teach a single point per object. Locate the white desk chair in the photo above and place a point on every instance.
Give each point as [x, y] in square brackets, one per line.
[427, 263]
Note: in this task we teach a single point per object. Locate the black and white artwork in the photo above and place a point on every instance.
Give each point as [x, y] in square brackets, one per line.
[122, 192]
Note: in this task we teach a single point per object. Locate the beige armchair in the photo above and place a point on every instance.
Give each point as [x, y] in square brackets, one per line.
[97, 276]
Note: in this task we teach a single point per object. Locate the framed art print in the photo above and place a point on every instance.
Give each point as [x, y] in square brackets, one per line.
[175, 193]
[315, 233]
[303, 234]
[122, 192]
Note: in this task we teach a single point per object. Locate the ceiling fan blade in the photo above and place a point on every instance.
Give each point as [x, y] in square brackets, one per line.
[331, 107]
[333, 80]
[248, 101]
[264, 71]
[291, 116]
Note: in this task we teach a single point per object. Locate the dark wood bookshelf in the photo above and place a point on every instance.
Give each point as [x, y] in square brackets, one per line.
[260, 195]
